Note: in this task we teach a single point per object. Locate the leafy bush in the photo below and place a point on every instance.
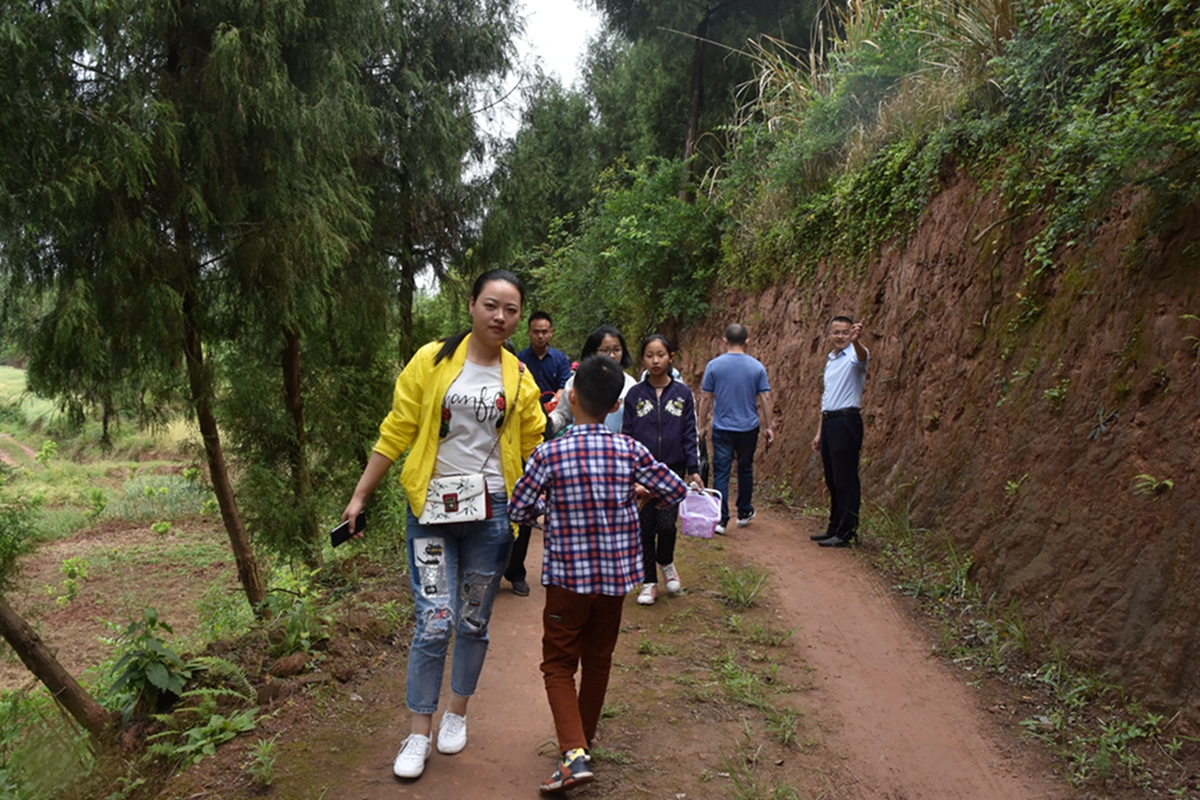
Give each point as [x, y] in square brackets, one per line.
[191, 745]
[40, 751]
[147, 671]
[219, 683]
[1103, 95]
[643, 256]
[16, 518]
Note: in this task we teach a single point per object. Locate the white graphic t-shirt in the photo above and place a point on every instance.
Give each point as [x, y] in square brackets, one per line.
[472, 414]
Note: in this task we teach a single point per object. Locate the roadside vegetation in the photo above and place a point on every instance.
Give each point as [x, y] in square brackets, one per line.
[117, 556]
[1101, 734]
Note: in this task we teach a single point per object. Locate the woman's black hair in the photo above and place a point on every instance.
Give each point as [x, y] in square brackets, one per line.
[656, 337]
[596, 338]
[451, 343]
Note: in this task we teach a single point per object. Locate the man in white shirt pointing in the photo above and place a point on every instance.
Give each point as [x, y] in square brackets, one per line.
[840, 434]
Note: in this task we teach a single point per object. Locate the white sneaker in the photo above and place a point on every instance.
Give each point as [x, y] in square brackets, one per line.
[414, 752]
[648, 594]
[720, 530]
[672, 576]
[744, 521]
[452, 734]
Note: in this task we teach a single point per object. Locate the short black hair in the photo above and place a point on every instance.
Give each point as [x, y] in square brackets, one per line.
[737, 333]
[596, 338]
[841, 318]
[535, 316]
[598, 384]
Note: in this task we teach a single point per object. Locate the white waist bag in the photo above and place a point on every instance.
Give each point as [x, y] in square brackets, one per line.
[456, 498]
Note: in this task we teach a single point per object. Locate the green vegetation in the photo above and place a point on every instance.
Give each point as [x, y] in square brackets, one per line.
[1095, 728]
[1150, 485]
[743, 768]
[146, 671]
[191, 745]
[1057, 105]
[1013, 488]
[159, 497]
[263, 757]
[742, 587]
[643, 255]
[40, 752]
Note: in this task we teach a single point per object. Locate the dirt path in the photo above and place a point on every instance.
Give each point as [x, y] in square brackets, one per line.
[894, 721]
[900, 723]
[6, 458]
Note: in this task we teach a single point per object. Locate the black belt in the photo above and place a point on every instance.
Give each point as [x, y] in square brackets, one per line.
[841, 412]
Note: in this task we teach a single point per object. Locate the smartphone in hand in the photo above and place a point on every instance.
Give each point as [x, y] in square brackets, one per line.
[342, 532]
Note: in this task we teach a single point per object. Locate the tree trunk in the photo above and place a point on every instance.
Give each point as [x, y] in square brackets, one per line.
[695, 103]
[25, 642]
[239, 541]
[405, 295]
[301, 477]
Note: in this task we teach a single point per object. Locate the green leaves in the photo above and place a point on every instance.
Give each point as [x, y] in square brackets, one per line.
[643, 256]
[195, 743]
[147, 670]
[16, 538]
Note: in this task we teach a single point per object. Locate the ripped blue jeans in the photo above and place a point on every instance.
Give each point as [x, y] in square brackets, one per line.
[455, 572]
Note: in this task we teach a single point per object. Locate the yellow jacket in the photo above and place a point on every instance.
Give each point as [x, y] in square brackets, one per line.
[412, 424]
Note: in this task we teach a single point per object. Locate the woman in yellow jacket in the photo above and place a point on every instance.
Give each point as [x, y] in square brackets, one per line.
[462, 405]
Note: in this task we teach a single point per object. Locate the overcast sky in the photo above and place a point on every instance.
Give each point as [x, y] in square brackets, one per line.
[556, 32]
[556, 36]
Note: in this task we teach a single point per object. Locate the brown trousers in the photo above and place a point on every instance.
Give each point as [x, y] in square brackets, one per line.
[578, 629]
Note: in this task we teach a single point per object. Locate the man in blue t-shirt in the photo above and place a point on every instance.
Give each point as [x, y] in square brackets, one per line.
[550, 368]
[734, 386]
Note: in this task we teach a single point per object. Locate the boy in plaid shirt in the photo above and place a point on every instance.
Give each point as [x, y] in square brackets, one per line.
[593, 479]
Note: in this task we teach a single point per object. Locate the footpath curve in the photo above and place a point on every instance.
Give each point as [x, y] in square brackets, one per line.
[899, 722]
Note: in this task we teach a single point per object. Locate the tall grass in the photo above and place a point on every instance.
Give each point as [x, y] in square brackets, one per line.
[18, 405]
[149, 498]
[879, 70]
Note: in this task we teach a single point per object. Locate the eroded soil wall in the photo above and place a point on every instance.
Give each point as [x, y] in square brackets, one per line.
[990, 404]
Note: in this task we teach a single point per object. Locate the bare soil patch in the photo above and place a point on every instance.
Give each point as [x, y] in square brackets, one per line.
[127, 568]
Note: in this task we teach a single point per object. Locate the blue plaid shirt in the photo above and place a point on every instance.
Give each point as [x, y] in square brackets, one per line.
[593, 541]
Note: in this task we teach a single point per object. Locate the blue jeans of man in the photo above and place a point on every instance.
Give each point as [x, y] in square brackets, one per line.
[726, 445]
[454, 571]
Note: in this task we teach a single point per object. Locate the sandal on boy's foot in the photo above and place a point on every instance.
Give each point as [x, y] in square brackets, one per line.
[410, 761]
[572, 772]
[648, 594]
[672, 579]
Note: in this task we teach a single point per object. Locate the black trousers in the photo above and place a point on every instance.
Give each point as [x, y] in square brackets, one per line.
[658, 533]
[515, 571]
[841, 443]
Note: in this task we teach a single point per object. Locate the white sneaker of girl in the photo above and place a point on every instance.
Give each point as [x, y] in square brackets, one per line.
[672, 576]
